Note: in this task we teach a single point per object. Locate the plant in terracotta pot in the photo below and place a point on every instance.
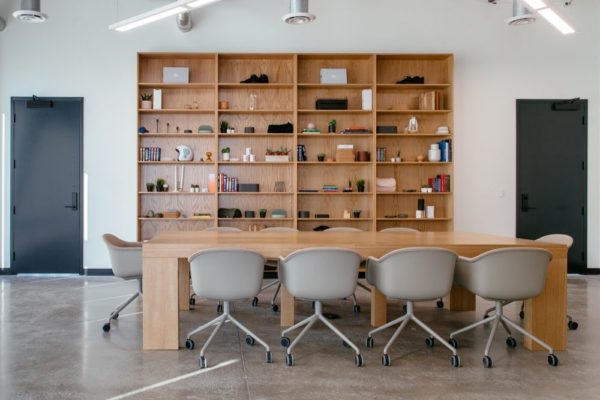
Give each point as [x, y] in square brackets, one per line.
[262, 212]
[146, 101]
[225, 151]
[150, 186]
[321, 157]
[360, 185]
[160, 185]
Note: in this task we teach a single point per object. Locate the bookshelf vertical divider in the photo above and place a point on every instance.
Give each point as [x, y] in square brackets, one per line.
[289, 96]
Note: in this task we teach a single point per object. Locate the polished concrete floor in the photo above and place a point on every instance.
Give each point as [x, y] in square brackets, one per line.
[52, 347]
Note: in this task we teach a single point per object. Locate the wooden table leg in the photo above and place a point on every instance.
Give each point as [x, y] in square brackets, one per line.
[161, 304]
[546, 315]
[378, 307]
[459, 299]
[184, 284]
[287, 308]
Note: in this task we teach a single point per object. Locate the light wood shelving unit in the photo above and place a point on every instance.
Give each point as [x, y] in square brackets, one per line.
[294, 85]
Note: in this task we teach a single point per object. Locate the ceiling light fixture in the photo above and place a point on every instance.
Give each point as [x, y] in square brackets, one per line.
[521, 15]
[556, 21]
[30, 12]
[298, 14]
[177, 7]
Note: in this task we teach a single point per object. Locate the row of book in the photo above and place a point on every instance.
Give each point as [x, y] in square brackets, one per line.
[330, 188]
[440, 183]
[149, 153]
[445, 150]
[228, 183]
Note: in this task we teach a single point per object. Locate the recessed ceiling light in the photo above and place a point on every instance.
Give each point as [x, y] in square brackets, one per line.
[556, 21]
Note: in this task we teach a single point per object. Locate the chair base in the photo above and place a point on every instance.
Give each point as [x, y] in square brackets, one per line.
[114, 315]
[403, 321]
[309, 322]
[500, 318]
[572, 325]
[219, 321]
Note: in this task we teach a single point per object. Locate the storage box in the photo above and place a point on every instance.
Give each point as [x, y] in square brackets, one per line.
[344, 155]
[176, 75]
[331, 104]
[249, 187]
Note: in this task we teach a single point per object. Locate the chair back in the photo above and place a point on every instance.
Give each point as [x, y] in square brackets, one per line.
[223, 229]
[505, 274]
[320, 273]
[125, 257]
[343, 229]
[279, 229]
[400, 230]
[557, 238]
[226, 274]
[414, 273]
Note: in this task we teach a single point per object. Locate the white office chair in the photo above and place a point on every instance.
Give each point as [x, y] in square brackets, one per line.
[272, 265]
[319, 274]
[557, 238]
[355, 305]
[126, 262]
[226, 275]
[214, 229]
[412, 274]
[502, 276]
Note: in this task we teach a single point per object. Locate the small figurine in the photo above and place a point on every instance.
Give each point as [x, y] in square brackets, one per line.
[208, 156]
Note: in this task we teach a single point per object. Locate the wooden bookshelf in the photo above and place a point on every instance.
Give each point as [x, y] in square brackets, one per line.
[294, 86]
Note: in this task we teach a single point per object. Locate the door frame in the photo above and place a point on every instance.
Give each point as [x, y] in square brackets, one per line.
[12, 270]
[584, 104]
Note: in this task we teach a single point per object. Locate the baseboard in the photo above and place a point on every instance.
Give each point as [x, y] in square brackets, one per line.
[591, 271]
[5, 271]
[97, 272]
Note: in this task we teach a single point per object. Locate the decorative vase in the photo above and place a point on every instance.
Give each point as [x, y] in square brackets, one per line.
[434, 154]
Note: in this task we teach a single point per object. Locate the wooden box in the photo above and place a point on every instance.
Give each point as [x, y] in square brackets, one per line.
[344, 155]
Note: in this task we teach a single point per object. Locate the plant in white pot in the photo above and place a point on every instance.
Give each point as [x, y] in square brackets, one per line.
[146, 101]
[225, 151]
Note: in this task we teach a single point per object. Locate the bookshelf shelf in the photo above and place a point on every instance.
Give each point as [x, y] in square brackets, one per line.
[294, 84]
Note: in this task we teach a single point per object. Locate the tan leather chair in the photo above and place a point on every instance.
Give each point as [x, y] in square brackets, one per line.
[126, 263]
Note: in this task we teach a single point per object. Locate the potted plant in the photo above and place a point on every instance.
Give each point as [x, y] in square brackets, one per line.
[280, 155]
[150, 186]
[160, 185]
[321, 157]
[426, 188]
[356, 212]
[146, 101]
[360, 185]
[225, 152]
[224, 126]
[262, 212]
[331, 126]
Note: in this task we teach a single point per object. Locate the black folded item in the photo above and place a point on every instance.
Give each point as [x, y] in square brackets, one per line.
[281, 128]
[249, 187]
[230, 213]
[321, 215]
[321, 228]
[332, 104]
[387, 129]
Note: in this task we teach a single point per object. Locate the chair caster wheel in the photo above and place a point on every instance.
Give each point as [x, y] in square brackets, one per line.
[511, 342]
[552, 360]
[189, 344]
[440, 304]
[386, 361]
[521, 314]
[453, 342]
[370, 342]
[250, 340]
[356, 309]
[289, 360]
[285, 341]
[455, 359]
[192, 301]
[203, 362]
[255, 302]
[573, 325]
[430, 342]
[487, 362]
[269, 357]
[106, 327]
[219, 308]
[275, 307]
[358, 360]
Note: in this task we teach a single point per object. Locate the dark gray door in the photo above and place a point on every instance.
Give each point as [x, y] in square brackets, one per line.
[552, 172]
[46, 225]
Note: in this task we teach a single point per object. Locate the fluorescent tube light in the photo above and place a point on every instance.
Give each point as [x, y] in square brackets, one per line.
[177, 7]
[557, 21]
[535, 4]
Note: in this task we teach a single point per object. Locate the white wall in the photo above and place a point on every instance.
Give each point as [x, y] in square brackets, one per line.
[74, 54]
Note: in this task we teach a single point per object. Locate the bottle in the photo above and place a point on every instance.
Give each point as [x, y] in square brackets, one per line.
[252, 101]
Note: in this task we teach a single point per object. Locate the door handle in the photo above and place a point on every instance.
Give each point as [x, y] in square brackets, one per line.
[74, 201]
[525, 203]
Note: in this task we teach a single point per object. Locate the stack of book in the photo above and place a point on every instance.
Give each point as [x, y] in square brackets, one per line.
[149, 153]
[228, 184]
[330, 188]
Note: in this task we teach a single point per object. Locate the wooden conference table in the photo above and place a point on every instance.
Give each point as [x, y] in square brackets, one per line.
[166, 280]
